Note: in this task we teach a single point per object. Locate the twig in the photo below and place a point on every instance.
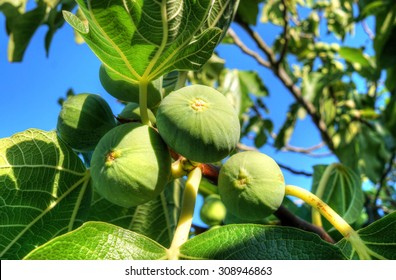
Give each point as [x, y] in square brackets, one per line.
[243, 147]
[367, 30]
[280, 72]
[383, 178]
[246, 50]
[285, 35]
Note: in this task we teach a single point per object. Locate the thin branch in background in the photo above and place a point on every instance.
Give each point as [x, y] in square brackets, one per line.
[288, 82]
[285, 34]
[288, 148]
[381, 182]
[243, 147]
[260, 43]
[246, 50]
[367, 30]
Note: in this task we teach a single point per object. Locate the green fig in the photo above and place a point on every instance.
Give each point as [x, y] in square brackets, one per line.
[83, 120]
[251, 185]
[131, 112]
[213, 210]
[123, 90]
[130, 165]
[199, 123]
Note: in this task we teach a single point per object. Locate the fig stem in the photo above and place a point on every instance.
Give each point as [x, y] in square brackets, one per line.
[181, 80]
[336, 220]
[143, 84]
[316, 217]
[187, 211]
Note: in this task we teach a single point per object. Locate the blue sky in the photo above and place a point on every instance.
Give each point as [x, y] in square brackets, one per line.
[29, 90]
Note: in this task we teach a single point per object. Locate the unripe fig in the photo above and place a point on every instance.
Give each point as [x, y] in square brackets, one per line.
[83, 120]
[130, 165]
[213, 210]
[199, 123]
[251, 185]
[131, 112]
[126, 91]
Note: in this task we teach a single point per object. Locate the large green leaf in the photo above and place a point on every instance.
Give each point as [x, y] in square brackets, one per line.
[143, 40]
[44, 191]
[342, 190]
[99, 241]
[258, 242]
[379, 237]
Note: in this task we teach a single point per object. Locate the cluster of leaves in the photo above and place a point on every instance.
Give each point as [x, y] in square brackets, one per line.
[45, 188]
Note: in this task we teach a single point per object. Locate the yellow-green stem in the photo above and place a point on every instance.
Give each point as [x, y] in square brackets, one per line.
[187, 211]
[336, 220]
[316, 217]
[143, 84]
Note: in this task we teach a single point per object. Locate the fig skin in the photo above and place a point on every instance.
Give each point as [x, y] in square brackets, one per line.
[199, 123]
[129, 92]
[131, 165]
[83, 120]
[251, 185]
[213, 210]
[131, 112]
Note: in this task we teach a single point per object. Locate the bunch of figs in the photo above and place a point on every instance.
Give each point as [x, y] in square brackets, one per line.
[131, 162]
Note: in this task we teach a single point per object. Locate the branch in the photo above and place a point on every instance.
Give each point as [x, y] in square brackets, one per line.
[243, 147]
[285, 35]
[367, 30]
[287, 81]
[246, 50]
[383, 178]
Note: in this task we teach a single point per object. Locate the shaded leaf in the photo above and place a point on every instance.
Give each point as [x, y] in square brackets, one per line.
[287, 129]
[257, 242]
[99, 241]
[22, 29]
[342, 191]
[158, 218]
[44, 191]
[379, 237]
[248, 11]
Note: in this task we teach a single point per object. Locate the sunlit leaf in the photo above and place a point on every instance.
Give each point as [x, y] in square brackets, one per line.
[99, 241]
[145, 40]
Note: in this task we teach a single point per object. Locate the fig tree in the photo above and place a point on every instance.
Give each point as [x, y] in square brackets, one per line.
[130, 165]
[83, 120]
[199, 123]
[251, 185]
[213, 210]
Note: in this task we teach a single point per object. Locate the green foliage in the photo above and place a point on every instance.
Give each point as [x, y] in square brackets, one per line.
[99, 241]
[44, 185]
[150, 50]
[257, 242]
